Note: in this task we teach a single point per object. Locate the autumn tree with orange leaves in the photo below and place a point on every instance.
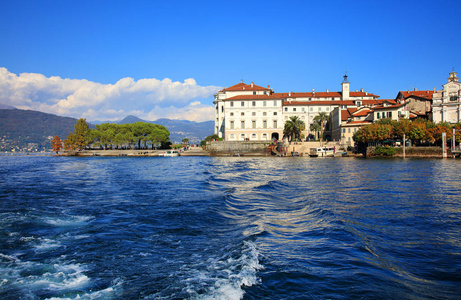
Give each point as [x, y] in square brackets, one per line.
[56, 144]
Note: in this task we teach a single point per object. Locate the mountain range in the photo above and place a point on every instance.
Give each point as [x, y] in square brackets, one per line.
[179, 129]
[28, 129]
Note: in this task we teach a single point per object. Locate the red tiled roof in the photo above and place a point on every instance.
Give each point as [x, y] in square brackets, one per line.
[345, 115]
[362, 94]
[311, 95]
[245, 87]
[352, 110]
[418, 113]
[324, 95]
[390, 101]
[362, 113]
[388, 107]
[252, 97]
[357, 123]
[319, 102]
[420, 94]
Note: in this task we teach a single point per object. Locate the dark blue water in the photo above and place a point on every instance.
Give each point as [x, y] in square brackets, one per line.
[229, 228]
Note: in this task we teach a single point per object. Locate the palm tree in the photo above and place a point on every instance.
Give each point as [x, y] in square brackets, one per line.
[322, 118]
[293, 127]
[315, 127]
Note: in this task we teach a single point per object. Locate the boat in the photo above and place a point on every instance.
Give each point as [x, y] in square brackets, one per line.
[169, 153]
[322, 152]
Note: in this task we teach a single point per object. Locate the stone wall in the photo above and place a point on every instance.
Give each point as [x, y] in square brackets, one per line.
[228, 148]
[413, 152]
[257, 148]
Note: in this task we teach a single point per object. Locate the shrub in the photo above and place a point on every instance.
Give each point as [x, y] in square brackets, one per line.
[385, 151]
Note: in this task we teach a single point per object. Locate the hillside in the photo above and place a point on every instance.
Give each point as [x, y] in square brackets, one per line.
[4, 106]
[28, 129]
[179, 129]
[31, 129]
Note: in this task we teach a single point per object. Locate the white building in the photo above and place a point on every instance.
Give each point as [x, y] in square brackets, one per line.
[248, 112]
[446, 103]
[251, 112]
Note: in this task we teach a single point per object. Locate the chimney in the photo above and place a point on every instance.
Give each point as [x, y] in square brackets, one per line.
[361, 90]
[327, 90]
[252, 84]
[415, 89]
[268, 86]
[289, 94]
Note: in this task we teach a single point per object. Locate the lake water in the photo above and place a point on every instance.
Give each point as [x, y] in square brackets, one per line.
[229, 228]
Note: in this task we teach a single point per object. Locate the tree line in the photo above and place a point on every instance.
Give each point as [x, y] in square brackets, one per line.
[294, 126]
[114, 136]
[419, 131]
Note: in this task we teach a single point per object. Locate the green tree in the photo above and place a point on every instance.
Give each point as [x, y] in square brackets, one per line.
[293, 127]
[118, 135]
[82, 134]
[402, 127]
[185, 141]
[315, 127]
[373, 133]
[80, 138]
[417, 132]
[70, 142]
[323, 119]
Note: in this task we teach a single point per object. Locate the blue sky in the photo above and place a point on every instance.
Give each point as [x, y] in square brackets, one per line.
[104, 60]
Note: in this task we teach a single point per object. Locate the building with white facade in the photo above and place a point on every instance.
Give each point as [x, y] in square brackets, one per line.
[248, 112]
[251, 112]
[446, 103]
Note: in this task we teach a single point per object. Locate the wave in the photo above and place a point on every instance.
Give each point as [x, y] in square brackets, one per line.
[227, 276]
[69, 221]
[30, 279]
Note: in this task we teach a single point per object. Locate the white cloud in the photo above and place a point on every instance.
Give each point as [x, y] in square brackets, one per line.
[147, 98]
[195, 111]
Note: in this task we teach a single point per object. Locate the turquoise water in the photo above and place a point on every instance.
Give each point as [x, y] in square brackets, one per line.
[229, 228]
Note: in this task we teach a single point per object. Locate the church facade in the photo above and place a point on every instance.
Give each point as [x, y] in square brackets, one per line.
[446, 103]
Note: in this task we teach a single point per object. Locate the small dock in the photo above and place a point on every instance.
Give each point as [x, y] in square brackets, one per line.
[456, 153]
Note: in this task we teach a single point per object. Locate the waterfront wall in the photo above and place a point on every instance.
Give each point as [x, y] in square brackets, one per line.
[258, 148]
[413, 152]
[228, 148]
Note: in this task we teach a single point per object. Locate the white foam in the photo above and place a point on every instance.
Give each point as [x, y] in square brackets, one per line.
[27, 239]
[47, 244]
[8, 257]
[225, 278]
[31, 277]
[102, 294]
[70, 221]
[3, 282]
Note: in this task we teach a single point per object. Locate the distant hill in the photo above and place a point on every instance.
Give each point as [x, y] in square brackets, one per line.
[19, 128]
[179, 129]
[131, 120]
[4, 106]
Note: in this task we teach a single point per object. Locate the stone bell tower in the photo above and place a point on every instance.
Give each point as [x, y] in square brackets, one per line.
[453, 77]
[345, 88]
